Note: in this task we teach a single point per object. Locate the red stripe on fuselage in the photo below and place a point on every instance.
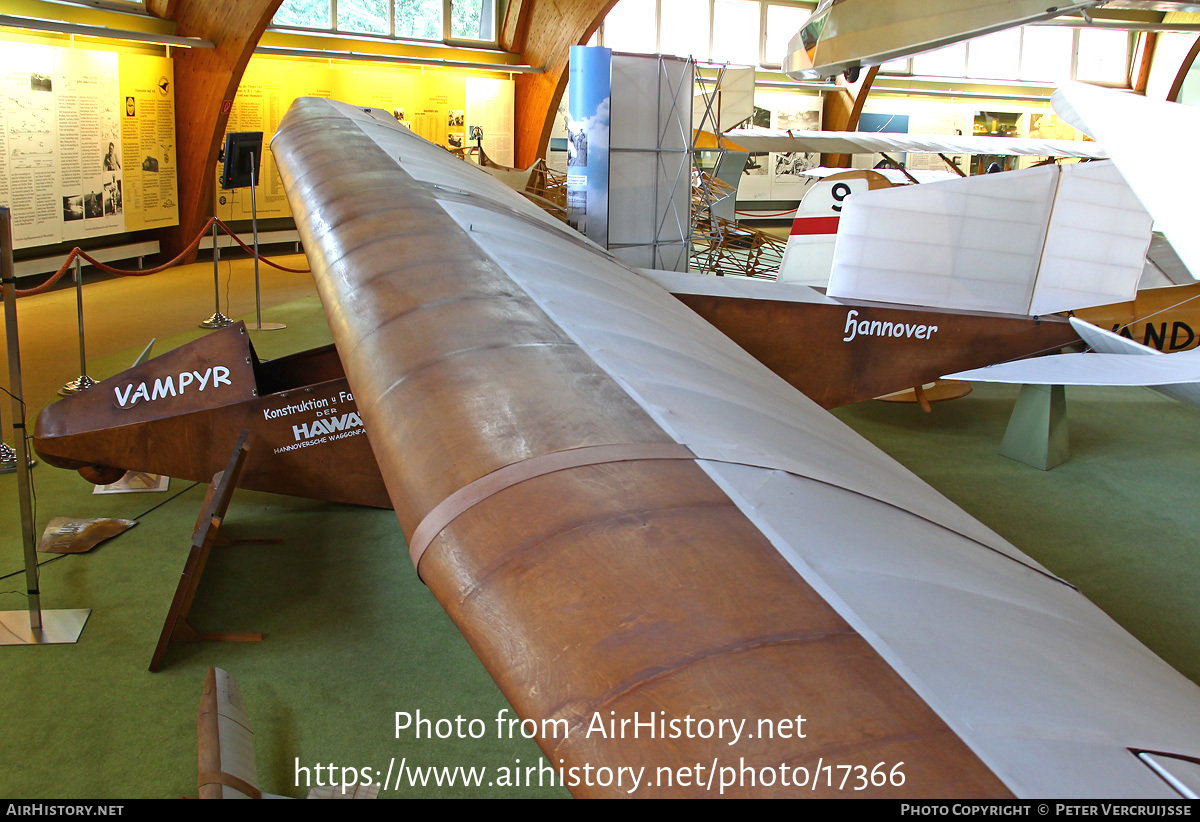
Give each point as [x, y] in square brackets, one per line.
[815, 225]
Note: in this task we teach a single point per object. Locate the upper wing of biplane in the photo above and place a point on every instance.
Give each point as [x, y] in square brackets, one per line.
[629, 518]
[862, 142]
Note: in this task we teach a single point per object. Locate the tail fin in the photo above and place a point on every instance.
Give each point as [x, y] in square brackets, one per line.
[808, 258]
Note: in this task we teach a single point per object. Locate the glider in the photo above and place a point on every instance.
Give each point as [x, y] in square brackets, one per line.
[629, 518]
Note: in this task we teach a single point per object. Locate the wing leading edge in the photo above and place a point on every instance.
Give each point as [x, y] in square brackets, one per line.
[624, 513]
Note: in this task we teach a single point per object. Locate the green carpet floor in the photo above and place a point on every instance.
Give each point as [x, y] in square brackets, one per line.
[352, 636]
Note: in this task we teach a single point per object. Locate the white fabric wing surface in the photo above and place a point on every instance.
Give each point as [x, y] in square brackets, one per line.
[1117, 361]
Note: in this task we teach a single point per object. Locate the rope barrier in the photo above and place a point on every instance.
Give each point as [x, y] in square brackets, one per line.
[250, 250]
[142, 272]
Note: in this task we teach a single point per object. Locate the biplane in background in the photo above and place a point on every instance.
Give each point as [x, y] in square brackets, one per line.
[629, 518]
[809, 254]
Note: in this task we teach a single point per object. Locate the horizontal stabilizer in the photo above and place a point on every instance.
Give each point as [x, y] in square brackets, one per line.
[1091, 369]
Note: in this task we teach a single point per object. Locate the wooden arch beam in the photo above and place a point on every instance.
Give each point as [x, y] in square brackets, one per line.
[204, 79]
[542, 32]
[1181, 75]
[842, 110]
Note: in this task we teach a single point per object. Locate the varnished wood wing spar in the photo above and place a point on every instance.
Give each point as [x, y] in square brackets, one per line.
[630, 518]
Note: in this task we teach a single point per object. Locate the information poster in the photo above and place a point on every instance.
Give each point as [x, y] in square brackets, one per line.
[89, 143]
[590, 85]
[437, 109]
[147, 114]
[388, 89]
[29, 182]
[490, 107]
[266, 91]
[71, 120]
[779, 175]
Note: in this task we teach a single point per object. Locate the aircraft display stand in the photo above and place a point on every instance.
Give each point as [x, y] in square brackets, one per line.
[206, 534]
[1037, 430]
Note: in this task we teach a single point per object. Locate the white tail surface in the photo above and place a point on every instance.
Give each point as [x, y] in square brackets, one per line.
[1037, 241]
[1117, 362]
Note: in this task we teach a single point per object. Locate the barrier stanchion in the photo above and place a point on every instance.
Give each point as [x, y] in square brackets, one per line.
[83, 381]
[217, 320]
[32, 627]
[260, 326]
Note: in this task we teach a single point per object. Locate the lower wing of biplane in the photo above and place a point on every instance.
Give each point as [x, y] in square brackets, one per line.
[633, 521]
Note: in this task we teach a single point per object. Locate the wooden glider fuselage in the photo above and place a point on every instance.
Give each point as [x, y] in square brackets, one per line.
[851, 351]
[305, 426]
[177, 413]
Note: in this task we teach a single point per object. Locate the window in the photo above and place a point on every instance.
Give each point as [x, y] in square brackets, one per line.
[950, 61]
[365, 16]
[719, 31]
[1046, 53]
[685, 28]
[782, 24]
[630, 27]
[1103, 56]
[736, 32]
[473, 20]
[997, 56]
[440, 20]
[419, 19]
[307, 14]
[1033, 53]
